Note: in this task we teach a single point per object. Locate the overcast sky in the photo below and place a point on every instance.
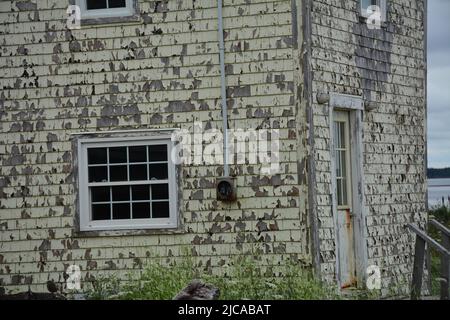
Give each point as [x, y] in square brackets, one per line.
[438, 83]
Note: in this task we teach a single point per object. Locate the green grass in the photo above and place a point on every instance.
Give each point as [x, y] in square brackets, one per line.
[441, 214]
[244, 279]
[247, 281]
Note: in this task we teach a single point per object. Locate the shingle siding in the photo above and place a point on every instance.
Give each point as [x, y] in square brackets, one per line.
[159, 72]
[163, 72]
[386, 66]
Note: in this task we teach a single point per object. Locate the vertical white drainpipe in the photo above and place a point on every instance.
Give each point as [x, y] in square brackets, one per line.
[223, 92]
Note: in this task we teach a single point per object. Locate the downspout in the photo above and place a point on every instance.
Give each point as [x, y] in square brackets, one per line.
[223, 91]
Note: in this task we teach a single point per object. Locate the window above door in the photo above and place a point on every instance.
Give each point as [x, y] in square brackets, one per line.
[366, 9]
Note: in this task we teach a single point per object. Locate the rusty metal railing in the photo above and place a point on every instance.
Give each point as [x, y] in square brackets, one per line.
[419, 257]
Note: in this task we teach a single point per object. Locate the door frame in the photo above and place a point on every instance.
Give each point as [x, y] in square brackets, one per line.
[354, 105]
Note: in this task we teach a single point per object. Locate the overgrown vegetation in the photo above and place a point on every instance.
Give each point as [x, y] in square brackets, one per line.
[441, 214]
[244, 279]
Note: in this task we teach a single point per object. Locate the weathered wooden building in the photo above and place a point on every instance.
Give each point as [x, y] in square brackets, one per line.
[86, 116]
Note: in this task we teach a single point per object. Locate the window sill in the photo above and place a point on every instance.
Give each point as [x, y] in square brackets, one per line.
[109, 20]
[128, 232]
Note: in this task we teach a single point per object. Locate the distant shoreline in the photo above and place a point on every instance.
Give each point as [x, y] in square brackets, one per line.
[441, 173]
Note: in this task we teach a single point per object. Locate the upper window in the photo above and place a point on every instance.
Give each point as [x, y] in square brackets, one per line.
[93, 9]
[126, 184]
[370, 7]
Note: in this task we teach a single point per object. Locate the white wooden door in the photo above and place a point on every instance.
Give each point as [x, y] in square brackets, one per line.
[344, 200]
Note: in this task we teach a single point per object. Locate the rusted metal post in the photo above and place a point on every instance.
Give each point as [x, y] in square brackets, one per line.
[419, 257]
[428, 263]
[445, 269]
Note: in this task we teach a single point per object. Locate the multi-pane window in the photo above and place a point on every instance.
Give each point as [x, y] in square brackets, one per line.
[366, 11]
[105, 4]
[93, 9]
[342, 159]
[126, 184]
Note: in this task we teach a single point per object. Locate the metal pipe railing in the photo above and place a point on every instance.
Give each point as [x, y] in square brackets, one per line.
[423, 239]
[436, 245]
[223, 90]
[440, 227]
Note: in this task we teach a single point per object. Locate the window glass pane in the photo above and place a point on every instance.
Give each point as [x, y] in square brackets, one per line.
[121, 211]
[158, 171]
[160, 209]
[140, 192]
[96, 4]
[160, 191]
[141, 210]
[118, 173]
[344, 192]
[366, 3]
[100, 194]
[101, 212]
[117, 3]
[138, 154]
[138, 172]
[157, 152]
[97, 156]
[121, 193]
[339, 192]
[343, 143]
[336, 135]
[98, 174]
[338, 165]
[343, 167]
[118, 155]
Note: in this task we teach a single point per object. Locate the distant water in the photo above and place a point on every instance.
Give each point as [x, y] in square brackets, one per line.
[438, 192]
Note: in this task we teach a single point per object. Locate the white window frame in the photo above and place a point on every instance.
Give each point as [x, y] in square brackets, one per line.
[85, 215]
[383, 7]
[105, 13]
[344, 117]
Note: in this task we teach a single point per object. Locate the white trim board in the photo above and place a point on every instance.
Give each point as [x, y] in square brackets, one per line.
[346, 101]
[123, 131]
